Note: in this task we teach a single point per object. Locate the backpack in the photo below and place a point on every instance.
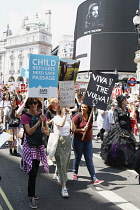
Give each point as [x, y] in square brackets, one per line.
[36, 138]
[12, 120]
[79, 117]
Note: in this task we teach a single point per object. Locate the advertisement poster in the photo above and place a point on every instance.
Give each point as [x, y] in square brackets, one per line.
[105, 38]
[68, 69]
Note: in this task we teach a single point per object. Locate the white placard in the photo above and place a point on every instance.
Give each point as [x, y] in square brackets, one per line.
[4, 137]
[67, 93]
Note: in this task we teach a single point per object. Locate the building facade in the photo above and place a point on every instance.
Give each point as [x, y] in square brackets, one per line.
[65, 47]
[33, 38]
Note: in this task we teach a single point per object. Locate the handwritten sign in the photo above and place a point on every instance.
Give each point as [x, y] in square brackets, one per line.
[67, 93]
[99, 90]
[43, 76]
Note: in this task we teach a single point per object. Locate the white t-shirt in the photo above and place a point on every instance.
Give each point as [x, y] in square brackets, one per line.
[4, 104]
[6, 111]
[62, 131]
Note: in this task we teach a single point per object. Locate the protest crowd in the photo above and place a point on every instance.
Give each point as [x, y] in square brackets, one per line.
[47, 134]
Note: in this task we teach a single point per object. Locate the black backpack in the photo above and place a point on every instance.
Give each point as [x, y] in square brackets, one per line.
[36, 138]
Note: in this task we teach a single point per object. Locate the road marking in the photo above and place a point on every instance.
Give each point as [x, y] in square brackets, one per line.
[117, 200]
[1, 208]
[6, 199]
[132, 171]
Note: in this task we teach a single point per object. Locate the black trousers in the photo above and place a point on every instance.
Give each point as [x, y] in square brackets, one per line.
[32, 178]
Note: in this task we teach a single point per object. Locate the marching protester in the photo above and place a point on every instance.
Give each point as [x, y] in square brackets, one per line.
[110, 115]
[102, 124]
[84, 146]
[50, 114]
[119, 144]
[12, 122]
[63, 124]
[3, 104]
[33, 148]
[133, 114]
[19, 96]
[78, 102]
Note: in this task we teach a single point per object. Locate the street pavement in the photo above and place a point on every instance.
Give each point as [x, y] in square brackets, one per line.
[120, 189]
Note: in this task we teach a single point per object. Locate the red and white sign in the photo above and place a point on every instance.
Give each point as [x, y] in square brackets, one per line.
[132, 79]
[22, 88]
[116, 91]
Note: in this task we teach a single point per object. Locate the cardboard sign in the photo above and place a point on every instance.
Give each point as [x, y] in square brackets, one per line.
[99, 90]
[67, 93]
[43, 76]
[4, 137]
[22, 88]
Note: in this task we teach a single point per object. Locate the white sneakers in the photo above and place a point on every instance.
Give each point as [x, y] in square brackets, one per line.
[64, 193]
[56, 177]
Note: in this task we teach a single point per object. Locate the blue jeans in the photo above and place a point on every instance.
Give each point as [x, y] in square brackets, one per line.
[81, 147]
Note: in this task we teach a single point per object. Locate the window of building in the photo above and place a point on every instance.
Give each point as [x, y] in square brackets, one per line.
[12, 59]
[20, 61]
[27, 39]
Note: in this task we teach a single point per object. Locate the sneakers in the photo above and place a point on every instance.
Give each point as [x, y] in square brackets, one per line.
[50, 162]
[56, 177]
[36, 197]
[97, 181]
[64, 193]
[32, 203]
[75, 177]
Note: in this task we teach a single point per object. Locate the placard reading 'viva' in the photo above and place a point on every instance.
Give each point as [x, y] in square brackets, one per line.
[99, 90]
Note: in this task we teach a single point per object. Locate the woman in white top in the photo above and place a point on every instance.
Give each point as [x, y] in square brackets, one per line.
[63, 124]
[3, 104]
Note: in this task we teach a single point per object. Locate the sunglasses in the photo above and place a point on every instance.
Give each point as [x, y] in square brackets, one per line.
[31, 103]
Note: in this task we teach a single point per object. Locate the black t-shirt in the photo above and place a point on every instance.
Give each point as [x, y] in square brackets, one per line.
[50, 113]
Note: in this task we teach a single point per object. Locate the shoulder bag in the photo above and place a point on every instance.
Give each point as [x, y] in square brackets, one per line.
[52, 144]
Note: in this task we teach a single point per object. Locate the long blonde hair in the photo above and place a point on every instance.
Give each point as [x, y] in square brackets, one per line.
[51, 101]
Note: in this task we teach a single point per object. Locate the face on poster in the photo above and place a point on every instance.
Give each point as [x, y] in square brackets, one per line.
[43, 76]
[102, 39]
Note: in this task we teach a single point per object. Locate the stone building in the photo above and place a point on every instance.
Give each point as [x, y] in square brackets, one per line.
[32, 38]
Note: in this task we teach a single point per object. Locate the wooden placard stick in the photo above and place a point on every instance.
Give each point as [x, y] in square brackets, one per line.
[42, 110]
[90, 116]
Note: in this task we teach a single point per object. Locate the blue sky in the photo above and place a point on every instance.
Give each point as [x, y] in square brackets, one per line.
[63, 15]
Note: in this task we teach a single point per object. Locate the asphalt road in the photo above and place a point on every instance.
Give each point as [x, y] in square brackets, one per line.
[120, 189]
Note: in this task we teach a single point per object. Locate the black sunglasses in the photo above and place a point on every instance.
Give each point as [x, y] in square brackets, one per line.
[33, 102]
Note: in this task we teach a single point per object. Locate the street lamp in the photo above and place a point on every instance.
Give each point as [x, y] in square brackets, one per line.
[136, 22]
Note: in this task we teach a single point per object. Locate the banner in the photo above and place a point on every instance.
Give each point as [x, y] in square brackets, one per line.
[105, 38]
[67, 93]
[68, 69]
[43, 76]
[99, 90]
[24, 73]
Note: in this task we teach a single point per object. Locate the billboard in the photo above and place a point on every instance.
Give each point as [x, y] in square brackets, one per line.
[105, 38]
